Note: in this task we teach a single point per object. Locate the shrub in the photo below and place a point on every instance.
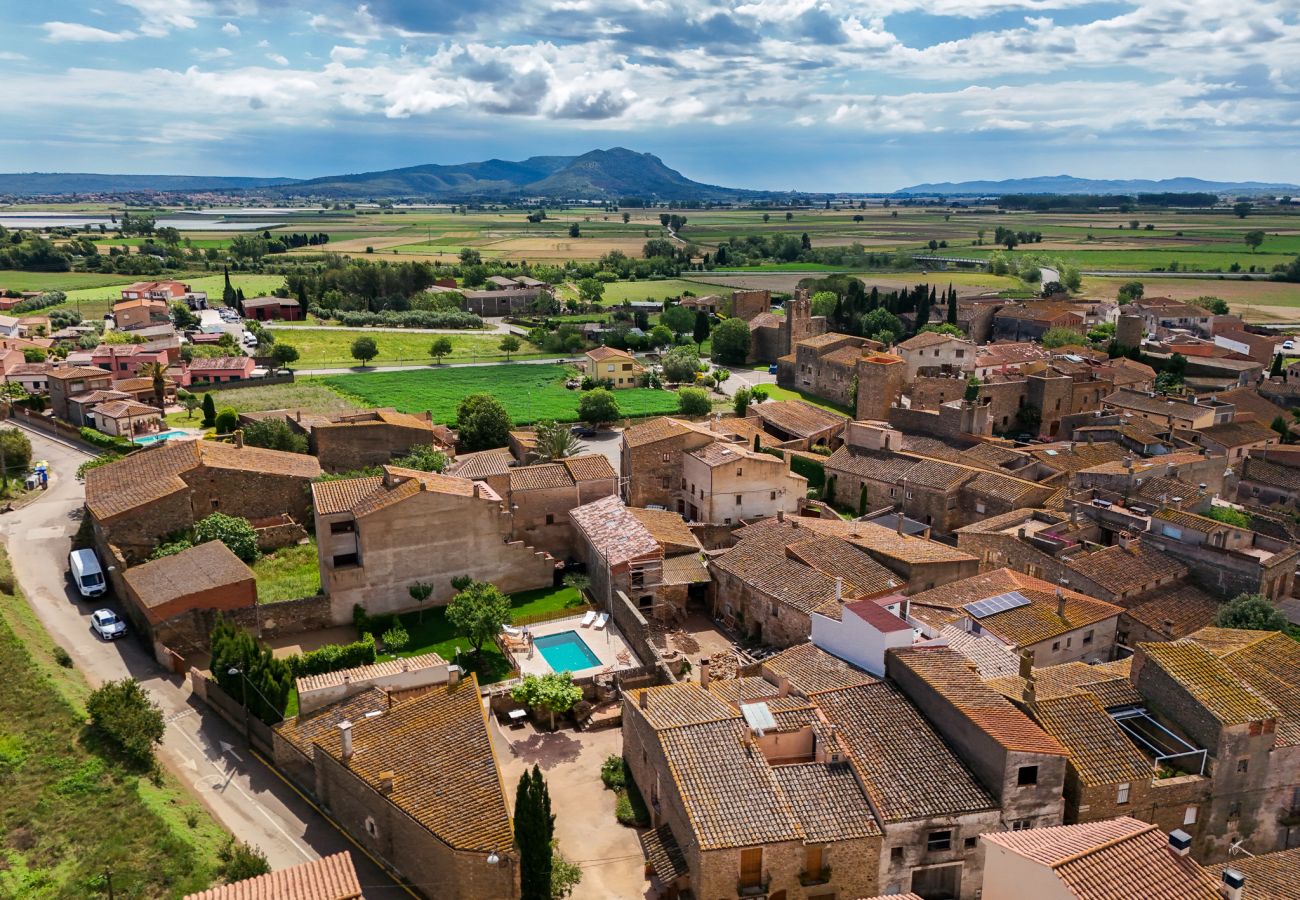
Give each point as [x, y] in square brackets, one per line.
[240, 861]
[104, 441]
[693, 402]
[396, 638]
[227, 421]
[333, 657]
[275, 434]
[234, 532]
[62, 657]
[171, 548]
[123, 712]
[613, 772]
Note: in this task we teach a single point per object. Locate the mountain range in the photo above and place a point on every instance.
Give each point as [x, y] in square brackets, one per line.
[1068, 184]
[39, 184]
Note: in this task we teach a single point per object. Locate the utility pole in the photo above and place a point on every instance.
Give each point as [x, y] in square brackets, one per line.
[108, 877]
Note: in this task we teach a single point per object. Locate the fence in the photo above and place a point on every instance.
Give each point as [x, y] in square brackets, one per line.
[552, 615]
[258, 732]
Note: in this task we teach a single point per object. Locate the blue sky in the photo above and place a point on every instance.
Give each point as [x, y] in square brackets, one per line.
[812, 95]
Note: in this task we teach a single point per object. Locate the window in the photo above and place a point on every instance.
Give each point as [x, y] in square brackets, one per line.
[969, 843]
[1027, 775]
[371, 828]
[739, 471]
[772, 496]
[1121, 794]
[666, 456]
[938, 841]
[346, 559]
[1069, 642]
[751, 867]
[738, 499]
[1087, 638]
[343, 527]
[1189, 817]
[1022, 824]
[814, 862]
[1056, 645]
[727, 520]
[776, 609]
[663, 482]
[1243, 765]
[1234, 811]
[895, 854]
[610, 368]
[550, 519]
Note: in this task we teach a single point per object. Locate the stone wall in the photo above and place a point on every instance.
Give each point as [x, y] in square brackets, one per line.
[284, 533]
[762, 617]
[282, 378]
[355, 446]
[746, 305]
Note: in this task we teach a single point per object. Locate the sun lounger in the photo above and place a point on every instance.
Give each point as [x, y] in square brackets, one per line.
[513, 630]
[601, 621]
[588, 618]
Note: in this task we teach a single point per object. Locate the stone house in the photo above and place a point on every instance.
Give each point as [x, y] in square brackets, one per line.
[398, 775]
[881, 381]
[66, 382]
[1162, 315]
[931, 349]
[772, 337]
[194, 583]
[377, 535]
[540, 497]
[800, 425]
[1226, 559]
[651, 459]
[140, 313]
[826, 366]
[684, 579]
[1190, 414]
[620, 552]
[616, 366]
[1269, 479]
[725, 483]
[1233, 440]
[1028, 322]
[349, 442]
[137, 501]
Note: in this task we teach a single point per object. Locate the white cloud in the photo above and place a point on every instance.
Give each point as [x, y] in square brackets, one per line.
[231, 29]
[216, 53]
[10, 56]
[278, 59]
[158, 18]
[347, 54]
[70, 32]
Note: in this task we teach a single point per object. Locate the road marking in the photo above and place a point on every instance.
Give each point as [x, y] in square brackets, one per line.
[191, 764]
[229, 748]
[307, 854]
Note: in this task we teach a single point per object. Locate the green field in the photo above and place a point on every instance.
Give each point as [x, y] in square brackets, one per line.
[636, 291]
[69, 809]
[11, 280]
[95, 301]
[529, 392]
[322, 348]
[304, 393]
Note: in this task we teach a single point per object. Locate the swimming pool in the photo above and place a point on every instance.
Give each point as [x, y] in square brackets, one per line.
[159, 438]
[566, 652]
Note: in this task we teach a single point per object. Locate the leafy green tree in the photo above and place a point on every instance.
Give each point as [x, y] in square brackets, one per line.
[1254, 612]
[123, 712]
[209, 411]
[420, 591]
[1279, 425]
[740, 402]
[598, 406]
[250, 673]
[182, 316]
[191, 403]
[364, 349]
[284, 355]
[591, 289]
[881, 319]
[565, 876]
[395, 638]
[534, 835]
[477, 612]
[972, 389]
[552, 693]
[700, 333]
[1216, 305]
[1130, 292]
[731, 341]
[942, 328]
[693, 401]
[34, 354]
[440, 347]
[16, 449]
[235, 532]
[227, 421]
[575, 230]
[555, 441]
[823, 303]
[483, 422]
[1242, 209]
[660, 336]
[509, 344]
[678, 319]
[240, 861]
[275, 434]
[1228, 516]
[422, 459]
[1253, 239]
[1061, 337]
[680, 364]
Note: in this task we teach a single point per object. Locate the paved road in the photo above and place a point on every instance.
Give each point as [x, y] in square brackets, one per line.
[201, 749]
[354, 370]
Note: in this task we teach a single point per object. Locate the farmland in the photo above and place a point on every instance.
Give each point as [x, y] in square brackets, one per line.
[95, 301]
[331, 347]
[528, 392]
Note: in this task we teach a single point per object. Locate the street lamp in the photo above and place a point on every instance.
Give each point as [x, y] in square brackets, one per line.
[243, 695]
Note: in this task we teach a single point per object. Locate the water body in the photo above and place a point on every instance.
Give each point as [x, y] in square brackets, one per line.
[37, 220]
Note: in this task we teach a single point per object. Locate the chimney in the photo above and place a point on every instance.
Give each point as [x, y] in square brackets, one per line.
[900, 520]
[453, 674]
[1128, 464]
[706, 675]
[345, 736]
[1027, 664]
[780, 515]
[644, 699]
[1180, 842]
[1022, 533]
[1060, 603]
[782, 686]
[1167, 626]
[839, 591]
[386, 782]
[297, 415]
[476, 490]
[1234, 883]
[239, 437]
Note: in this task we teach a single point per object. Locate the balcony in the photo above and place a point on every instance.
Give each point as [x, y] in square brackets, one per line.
[754, 890]
[819, 876]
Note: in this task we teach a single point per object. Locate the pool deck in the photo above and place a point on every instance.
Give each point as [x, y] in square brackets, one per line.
[608, 645]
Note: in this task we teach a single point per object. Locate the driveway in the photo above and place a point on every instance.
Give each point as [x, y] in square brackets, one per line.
[204, 753]
[585, 827]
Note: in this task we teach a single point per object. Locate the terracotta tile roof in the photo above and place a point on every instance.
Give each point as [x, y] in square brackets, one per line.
[589, 467]
[1270, 666]
[541, 477]
[72, 373]
[1222, 641]
[90, 398]
[875, 539]
[765, 320]
[1037, 312]
[838, 558]
[799, 418]
[439, 749]
[1113, 859]
[342, 494]
[1119, 569]
[992, 454]
[1100, 751]
[1083, 456]
[655, 430]
[615, 533]
[1248, 400]
[810, 669]
[666, 527]
[1005, 488]
[826, 801]
[1162, 489]
[1108, 682]
[31, 369]
[878, 465]
[1185, 519]
[907, 768]
[256, 302]
[990, 657]
[303, 731]
[844, 356]
[764, 568]
[219, 363]
[1157, 404]
[483, 464]
[328, 878]
[377, 670]
[753, 689]
[139, 384]
[936, 475]
[1269, 876]
[600, 354]
[1185, 606]
[209, 566]
[1270, 473]
[663, 853]
[1239, 434]
[720, 453]
[929, 339]
[877, 616]
[955, 679]
[686, 568]
[676, 705]
[118, 409]
[1209, 681]
[149, 475]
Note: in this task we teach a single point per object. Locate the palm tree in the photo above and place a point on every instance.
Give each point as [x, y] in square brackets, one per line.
[555, 441]
[157, 372]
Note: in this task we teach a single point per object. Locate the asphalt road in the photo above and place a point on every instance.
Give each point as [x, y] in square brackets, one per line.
[204, 752]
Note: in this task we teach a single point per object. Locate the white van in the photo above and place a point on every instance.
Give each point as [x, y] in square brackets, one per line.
[86, 573]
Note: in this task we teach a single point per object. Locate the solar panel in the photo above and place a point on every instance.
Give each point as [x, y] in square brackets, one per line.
[1001, 603]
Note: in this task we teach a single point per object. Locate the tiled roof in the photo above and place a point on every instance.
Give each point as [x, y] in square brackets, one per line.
[838, 558]
[589, 467]
[1113, 859]
[328, 878]
[219, 363]
[955, 679]
[256, 302]
[302, 731]
[377, 670]
[686, 568]
[1185, 606]
[342, 494]
[654, 430]
[875, 539]
[798, 418]
[992, 454]
[117, 409]
[1157, 404]
[990, 657]
[929, 339]
[1082, 456]
[1162, 489]
[877, 616]
[1004, 487]
[1037, 312]
[810, 668]
[1269, 876]
[763, 566]
[1247, 399]
[1270, 666]
[907, 768]
[666, 527]
[439, 750]
[941, 476]
[1270, 473]
[1119, 569]
[600, 354]
[765, 320]
[826, 801]
[663, 853]
[1108, 682]
[615, 533]
[1209, 681]
[483, 464]
[1239, 434]
[543, 476]
[1222, 641]
[71, 373]
[1185, 519]
[720, 453]
[1099, 750]
[675, 705]
[209, 566]
[149, 475]
[878, 465]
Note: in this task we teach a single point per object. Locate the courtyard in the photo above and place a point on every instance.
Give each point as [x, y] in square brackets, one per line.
[566, 645]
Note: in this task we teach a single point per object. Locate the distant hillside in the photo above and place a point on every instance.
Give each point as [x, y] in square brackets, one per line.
[597, 175]
[29, 184]
[1068, 184]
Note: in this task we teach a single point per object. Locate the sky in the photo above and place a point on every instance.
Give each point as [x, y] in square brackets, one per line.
[812, 95]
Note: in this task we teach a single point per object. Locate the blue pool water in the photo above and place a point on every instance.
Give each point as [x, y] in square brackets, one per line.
[158, 438]
[566, 652]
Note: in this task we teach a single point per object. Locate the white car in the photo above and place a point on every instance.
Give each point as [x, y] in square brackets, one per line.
[106, 624]
[1288, 345]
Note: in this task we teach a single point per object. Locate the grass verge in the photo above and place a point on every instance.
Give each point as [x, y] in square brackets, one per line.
[289, 573]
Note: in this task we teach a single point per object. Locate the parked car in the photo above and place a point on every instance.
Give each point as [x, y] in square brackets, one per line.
[1288, 345]
[107, 625]
[86, 573]
[583, 431]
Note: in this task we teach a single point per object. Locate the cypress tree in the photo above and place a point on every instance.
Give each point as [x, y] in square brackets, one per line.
[209, 411]
[830, 490]
[227, 292]
[922, 315]
[757, 447]
[534, 832]
[862, 500]
[1276, 371]
[952, 305]
[701, 332]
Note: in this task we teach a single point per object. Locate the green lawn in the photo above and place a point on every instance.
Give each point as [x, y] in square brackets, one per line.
[780, 393]
[529, 392]
[304, 393]
[670, 288]
[322, 348]
[69, 810]
[433, 633]
[289, 573]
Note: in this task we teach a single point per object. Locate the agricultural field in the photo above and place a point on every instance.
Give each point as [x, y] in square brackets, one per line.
[96, 301]
[617, 292]
[529, 393]
[324, 348]
[303, 393]
[59, 281]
